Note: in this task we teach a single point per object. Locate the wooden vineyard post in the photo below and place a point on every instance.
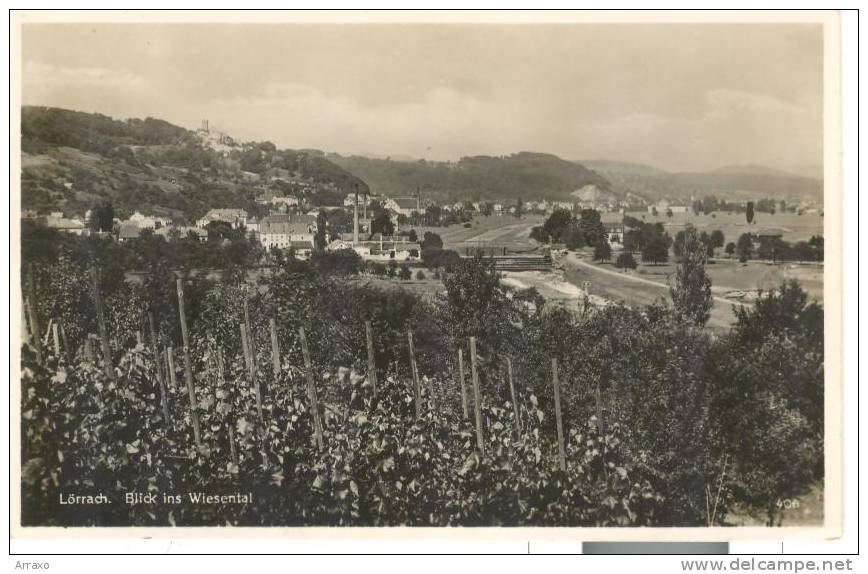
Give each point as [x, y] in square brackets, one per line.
[33, 315]
[251, 345]
[562, 456]
[248, 358]
[232, 449]
[55, 337]
[88, 349]
[65, 341]
[311, 388]
[477, 399]
[103, 331]
[417, 392]
[221, 369]
[170, 366]
[598, 399]
[188, 368]
[372, 366]
[461, 379]
[164, 400]
[275, 347]
[432, 404]
[512, 395]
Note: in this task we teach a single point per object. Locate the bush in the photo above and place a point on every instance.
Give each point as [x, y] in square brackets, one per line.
[420, 275]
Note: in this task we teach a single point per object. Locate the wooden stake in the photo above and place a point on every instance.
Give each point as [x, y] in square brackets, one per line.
[103, 330]
[251, 341]
[88, 349]
[245, 345]
[275, 347]
[512, 395]
[231, 432]
[461, 379]
[221, 369]
[562, 455]
[372, 365]
[55, 335]
[311, 388]
[598, 400]
[417, 392]
[164, 400]
[188, 368]
[34, 315]
[170, 366]
[65, 341]
[477, 399]
[432, 403]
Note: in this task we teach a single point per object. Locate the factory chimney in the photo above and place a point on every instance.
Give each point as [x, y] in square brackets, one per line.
[356, 217]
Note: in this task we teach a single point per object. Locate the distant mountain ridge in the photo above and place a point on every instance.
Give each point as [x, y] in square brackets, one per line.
[736, 182]
[523, 175]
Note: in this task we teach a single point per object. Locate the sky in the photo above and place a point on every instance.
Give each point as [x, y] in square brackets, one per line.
[682, 97]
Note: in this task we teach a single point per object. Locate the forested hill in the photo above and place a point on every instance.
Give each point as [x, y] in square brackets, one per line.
[72, 160]
[525, 175]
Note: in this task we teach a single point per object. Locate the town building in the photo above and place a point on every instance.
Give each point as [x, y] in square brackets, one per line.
[147, 221]
[234, 217]
[56, 220]
[404, 205]
[286, 231]
[182, 232]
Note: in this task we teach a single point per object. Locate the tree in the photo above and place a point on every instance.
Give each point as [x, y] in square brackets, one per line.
[730, 249]
[744, 247]
[603, 251]
[767, 378]
[557, 225]
[102, 217]
[691, 294]
[669, 212]
[748, 213]
[432, 246]
[412, 236]
[591, 227]
[519, 208]
[404, 273]
[420, 275]
[654, 211]
[656, 250]
[717, 239]
[382, 223]
[625, 261]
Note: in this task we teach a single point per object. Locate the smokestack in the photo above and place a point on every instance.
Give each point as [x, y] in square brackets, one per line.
[418, 200]
[356, 217]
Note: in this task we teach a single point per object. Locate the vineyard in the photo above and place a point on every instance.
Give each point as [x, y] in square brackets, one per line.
[375, 450]
[302, 399]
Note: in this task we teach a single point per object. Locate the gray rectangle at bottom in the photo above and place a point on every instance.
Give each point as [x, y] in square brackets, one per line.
[655, 547]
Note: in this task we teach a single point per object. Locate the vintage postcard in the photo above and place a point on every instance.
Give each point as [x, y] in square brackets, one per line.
[536, 274]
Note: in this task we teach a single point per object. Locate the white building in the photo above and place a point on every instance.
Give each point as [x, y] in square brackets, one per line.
[404, 205]
[234, 217]
[147, 221]
[285, 231]
[56, 220]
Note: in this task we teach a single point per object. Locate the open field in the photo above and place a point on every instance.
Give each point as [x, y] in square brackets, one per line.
[732, 282]
[794, 227]
[495, 229]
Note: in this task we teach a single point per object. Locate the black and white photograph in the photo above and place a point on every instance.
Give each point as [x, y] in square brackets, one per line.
[365, 273]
